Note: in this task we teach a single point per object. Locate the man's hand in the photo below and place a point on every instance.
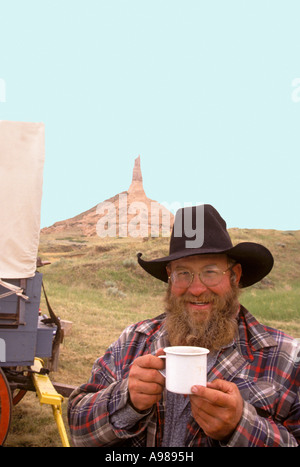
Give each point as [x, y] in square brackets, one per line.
[145, 383]
[217, 408]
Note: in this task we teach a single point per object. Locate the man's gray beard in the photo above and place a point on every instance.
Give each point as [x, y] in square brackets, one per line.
[217, 331]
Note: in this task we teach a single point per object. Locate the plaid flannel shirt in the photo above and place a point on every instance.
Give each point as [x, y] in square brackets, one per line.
[262, 362]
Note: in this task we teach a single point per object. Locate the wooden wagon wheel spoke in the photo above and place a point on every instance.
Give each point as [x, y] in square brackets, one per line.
[5, 407]
[18, 395]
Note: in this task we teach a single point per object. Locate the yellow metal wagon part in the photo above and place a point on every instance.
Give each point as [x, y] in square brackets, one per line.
[47, 394]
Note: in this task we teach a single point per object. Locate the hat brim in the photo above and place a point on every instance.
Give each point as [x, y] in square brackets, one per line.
[255, 259]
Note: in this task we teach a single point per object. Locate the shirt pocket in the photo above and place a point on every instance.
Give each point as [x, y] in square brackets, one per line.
[263, 395]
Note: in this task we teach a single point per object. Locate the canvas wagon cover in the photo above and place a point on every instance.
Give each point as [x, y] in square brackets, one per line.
[22, 157]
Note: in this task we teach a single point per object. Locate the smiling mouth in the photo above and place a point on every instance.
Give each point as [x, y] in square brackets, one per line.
[200, 303]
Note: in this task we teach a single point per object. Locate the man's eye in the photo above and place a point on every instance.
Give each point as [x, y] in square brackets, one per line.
[183, 274]
[210, 272]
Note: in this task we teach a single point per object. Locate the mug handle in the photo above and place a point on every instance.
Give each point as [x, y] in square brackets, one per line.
[162, 372]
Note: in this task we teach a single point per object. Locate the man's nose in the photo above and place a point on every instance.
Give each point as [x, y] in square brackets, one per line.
[197, 287]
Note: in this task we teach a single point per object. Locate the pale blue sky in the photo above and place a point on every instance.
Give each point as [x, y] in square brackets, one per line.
[202, 90]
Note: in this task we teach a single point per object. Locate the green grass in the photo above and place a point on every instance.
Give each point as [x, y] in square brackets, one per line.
[276, 308]
[78, 283]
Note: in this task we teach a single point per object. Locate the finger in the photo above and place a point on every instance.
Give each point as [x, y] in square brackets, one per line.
[143, 387]
[213, 396]
[204, 416]
[214, 425]
[144, 401]
[221, 385]
[204, 408]
[212, 418]
[149, 361]
[207, 416]
[143, 394]
[147, 375]
[152, 376]
[160, 352]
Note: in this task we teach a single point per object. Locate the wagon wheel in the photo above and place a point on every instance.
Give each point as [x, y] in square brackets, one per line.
[5, 407]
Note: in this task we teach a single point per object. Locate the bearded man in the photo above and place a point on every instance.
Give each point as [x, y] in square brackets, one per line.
[252, 395]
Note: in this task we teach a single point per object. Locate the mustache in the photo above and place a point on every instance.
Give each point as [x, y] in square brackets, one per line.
[203, 297]
[215, 300]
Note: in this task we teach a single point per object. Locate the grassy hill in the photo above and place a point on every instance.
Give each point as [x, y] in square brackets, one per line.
[97, 284]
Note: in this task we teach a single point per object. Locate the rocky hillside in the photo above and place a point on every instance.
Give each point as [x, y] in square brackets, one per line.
[129, 213]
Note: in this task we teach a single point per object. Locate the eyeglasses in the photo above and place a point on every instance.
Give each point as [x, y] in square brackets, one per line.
[209, 276]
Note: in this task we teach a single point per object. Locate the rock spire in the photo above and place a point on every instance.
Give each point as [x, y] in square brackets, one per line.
[129, 213]
[137, 179]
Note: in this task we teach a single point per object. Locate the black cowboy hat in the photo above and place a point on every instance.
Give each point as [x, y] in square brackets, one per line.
[205, 222]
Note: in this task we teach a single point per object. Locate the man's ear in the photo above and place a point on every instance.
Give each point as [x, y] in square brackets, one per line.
[237, 269]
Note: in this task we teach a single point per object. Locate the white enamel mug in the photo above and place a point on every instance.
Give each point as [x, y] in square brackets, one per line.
[185, 367]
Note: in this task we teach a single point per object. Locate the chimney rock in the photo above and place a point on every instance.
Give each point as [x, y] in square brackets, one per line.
[136, 186]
